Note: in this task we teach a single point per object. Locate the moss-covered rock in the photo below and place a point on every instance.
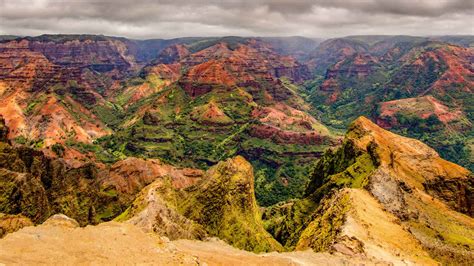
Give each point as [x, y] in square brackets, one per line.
[222, 204]
[21, 193]
[11, 223]
[330, 215]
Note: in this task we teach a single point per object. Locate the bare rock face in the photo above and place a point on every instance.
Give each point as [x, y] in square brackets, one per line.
[221, 66]
[391, 193]
[414, 163]
[61, 220]
[353, 223]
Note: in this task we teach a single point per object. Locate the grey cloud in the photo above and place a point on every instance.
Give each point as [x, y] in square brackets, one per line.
[173, 18]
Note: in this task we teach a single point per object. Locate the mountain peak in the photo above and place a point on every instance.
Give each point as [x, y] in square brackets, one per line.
[406, 157]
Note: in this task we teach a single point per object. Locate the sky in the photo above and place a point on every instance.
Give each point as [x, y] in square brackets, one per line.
[142, 19]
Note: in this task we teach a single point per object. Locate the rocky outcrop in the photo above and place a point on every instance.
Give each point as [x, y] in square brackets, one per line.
[61, 220]
[353, 223]
[400, 181]
[152, 212]
[411, 161]
[222, 204]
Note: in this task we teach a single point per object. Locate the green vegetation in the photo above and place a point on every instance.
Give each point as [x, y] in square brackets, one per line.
[345, 167]
[174, 129]
[321, 233]
[351, 96]
[225, 205]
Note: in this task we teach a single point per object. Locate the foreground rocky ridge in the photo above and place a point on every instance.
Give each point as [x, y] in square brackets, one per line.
[222, 204]
[402, 182]
[59, 240]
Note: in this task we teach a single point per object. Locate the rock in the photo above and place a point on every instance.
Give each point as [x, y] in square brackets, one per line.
[224, 203]
[353, 223]
[377, 184]
[221, 204]
[121, 243]
[61, 220]
[414, 163]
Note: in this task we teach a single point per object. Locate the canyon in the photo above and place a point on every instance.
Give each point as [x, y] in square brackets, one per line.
[232, 150]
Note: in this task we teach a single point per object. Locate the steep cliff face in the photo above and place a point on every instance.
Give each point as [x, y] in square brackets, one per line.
[45, 98]
[223, 65]
[98, 53]
[402, 182]
[222, 204]
[414, 163]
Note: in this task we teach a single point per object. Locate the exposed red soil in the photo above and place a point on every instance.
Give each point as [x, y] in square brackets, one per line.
[132, 174]
[423, 107]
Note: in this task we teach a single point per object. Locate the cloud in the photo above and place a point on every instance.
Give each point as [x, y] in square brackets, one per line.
[176, 18]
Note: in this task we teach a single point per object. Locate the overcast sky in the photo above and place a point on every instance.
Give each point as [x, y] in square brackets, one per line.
[177, 18]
